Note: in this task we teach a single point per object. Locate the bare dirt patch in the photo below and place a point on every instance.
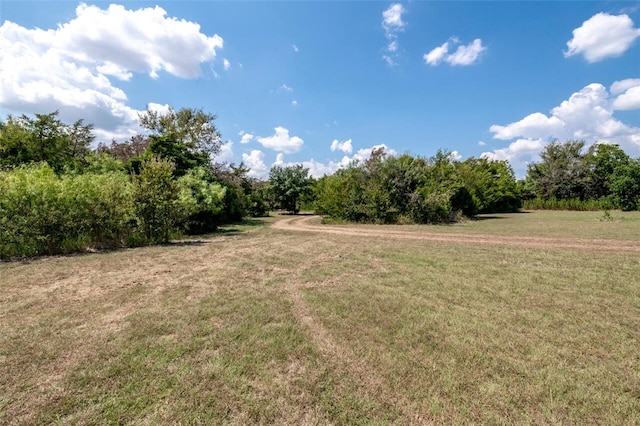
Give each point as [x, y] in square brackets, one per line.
[311, 224]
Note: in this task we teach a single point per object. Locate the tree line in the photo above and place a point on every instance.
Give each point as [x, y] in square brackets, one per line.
[60, 195]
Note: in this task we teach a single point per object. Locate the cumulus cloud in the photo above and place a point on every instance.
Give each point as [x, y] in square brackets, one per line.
[281, 141]
[318, 169]
[226, 152]
[70, 68]
[295, 48]
[464, 55]
[246, 137]
[516, 150]
[437, 54]
[286, 88]
[629, 94]
[294, 103]
[392, 24]
[455, 155]
[226, 64]
[255, 162]
[587, 115]
[345, 146]
[602, 36]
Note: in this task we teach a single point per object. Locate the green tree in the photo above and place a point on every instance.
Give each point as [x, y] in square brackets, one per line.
[602, 161]
[288, 184]
[202, 200]
[156, 197]
[561, 173]
[193, 128]
[44, 138]
[492, 184]
[625, 185]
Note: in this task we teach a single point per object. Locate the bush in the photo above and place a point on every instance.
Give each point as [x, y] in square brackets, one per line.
[41, 213]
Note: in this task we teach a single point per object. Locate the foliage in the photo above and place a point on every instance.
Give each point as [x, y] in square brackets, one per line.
[602, 161]
[288, 185]
[202, 200]
[42, 213]
[604, 177]
[388, 189]
[177, 152]
[561, 172]
[192, 128]
[492, 184]
[574, 204]
[625, 185]
[26, 140]
[159, 203]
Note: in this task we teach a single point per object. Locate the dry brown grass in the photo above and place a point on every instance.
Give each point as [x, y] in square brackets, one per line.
[274, 326]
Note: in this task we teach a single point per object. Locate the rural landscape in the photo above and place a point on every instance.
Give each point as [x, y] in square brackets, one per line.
[319, 213]
[424, 294]
[527, 318]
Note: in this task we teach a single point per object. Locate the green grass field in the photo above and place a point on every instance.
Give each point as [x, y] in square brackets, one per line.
[257, 325]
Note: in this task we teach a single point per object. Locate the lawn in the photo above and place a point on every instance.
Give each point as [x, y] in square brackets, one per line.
[257, 325]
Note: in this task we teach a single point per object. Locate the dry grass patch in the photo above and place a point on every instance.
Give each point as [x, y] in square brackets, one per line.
[270, 326]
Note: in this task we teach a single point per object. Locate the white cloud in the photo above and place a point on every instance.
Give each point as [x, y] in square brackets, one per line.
[246, 137]
[226, 64]
[255, 162]
[602, 36]
[464, 54]
[392, 18]
[226, 152]
[623, 85]
[345, 146]
[455, 155]
[629, 94]
[294, 103]
[392, 24]
[481, 143]
[436, 55]
[69, 68]
[318, 169]
[286, 88]
[587, 115]
[365, 153]
[295, 48]
[516, 150]
[281, 141]
[535, 125]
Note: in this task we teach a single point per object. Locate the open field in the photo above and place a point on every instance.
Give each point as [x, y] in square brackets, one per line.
[289, 324]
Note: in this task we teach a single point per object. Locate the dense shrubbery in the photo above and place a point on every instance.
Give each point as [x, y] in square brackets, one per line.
[387, 189]
[58, 196]
[603, 177]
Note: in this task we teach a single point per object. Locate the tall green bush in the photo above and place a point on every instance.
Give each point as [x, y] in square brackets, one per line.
[158, 204]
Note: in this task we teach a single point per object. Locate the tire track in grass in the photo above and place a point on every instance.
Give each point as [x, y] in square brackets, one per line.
[303, 224]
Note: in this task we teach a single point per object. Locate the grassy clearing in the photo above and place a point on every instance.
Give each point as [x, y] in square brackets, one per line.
[258, 326]
[542, 223]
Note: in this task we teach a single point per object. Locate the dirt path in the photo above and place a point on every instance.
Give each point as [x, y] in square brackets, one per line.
[303, 224]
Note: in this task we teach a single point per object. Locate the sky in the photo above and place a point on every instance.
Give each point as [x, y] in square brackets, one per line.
[321, 83]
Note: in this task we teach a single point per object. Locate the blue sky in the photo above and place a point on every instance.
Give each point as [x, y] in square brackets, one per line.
[321, 83]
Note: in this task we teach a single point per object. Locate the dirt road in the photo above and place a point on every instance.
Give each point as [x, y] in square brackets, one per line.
[304, 224]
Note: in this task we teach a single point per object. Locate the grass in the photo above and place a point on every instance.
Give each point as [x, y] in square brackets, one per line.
[259, 326]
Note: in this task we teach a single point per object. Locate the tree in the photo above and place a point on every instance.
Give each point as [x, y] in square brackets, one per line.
[625, 185]
[602, 161]
[492, 184]
[191, 127]
[156, 197]
[25, 140]
[288, 185]
[561, 172]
